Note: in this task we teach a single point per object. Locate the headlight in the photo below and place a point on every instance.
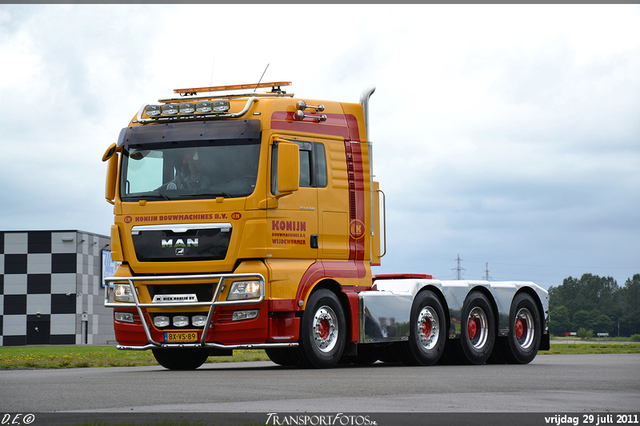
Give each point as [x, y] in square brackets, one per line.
[122, 293]
[244, 290]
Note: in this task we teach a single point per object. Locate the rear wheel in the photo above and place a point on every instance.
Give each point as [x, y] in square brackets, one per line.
[427, 335]
[322, 330]
[181, 359]
[478, 332]
[525, 330]
[367, 354]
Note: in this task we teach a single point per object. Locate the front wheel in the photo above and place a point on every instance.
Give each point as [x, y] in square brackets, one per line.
[181, 359]
[286, 357]
[322, 330]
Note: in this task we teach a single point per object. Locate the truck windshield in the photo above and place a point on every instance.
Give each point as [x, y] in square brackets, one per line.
[187, 170]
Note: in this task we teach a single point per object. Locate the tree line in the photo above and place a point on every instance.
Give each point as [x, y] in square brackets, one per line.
[595, 304]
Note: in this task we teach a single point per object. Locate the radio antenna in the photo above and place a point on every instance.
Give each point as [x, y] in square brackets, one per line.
[258, 85]
[213, 60]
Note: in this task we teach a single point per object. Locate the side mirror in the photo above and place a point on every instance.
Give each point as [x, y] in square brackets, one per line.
[109, 152]
[288, 167]
[112, 173]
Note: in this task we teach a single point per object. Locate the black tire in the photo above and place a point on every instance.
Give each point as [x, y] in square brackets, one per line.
[453, 354]
[366, 354]
[181, 359]
[389, 353]
[323, 330]
[478, 333]
[525, 330]
[427, 331]
[286, 357]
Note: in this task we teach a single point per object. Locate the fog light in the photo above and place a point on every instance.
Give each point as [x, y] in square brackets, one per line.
[221, 106]
[245, 315]
[124, 316]
[180, 321]
[187, 108]
[199, 321]
[153, 110]
[161, 321]
[204, 106]
[170, 109]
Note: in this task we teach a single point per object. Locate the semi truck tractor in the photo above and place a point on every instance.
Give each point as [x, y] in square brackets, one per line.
[248, 218]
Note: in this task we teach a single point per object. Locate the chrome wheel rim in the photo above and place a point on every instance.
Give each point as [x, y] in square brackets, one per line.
[478, 328]
[428, 328]
[524, 328]
[325, 329]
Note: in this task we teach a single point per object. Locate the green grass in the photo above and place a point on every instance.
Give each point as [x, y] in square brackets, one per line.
[14, 357]
[568, 339]
[591, 348]
[96, 356]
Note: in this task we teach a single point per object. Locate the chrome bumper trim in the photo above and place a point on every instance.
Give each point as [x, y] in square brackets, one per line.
[212, 304]
[207, 345]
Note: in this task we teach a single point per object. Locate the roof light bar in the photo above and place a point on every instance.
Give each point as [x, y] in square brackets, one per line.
[195, 90]
[191, 110]
[187, 108]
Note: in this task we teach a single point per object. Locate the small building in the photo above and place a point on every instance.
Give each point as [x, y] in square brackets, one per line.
[52, 288]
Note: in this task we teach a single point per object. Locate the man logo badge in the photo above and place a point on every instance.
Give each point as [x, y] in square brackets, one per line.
[179, 245]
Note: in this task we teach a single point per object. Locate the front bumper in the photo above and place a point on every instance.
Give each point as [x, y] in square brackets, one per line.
[145, 318]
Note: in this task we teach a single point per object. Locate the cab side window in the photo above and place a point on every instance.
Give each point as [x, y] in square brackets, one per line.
[313, 165]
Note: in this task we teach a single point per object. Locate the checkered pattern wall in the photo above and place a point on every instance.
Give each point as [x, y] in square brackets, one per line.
[51, 290]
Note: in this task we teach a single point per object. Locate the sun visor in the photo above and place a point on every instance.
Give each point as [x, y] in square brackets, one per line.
[190, 131]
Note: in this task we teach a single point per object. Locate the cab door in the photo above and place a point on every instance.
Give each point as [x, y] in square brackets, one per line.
[293, 225]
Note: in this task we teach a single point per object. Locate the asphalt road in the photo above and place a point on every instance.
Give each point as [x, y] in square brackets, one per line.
[550, 384]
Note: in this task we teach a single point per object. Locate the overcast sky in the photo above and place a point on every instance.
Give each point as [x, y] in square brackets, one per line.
[507, 134]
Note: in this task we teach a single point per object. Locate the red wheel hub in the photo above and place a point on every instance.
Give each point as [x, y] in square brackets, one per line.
[323, 329]
[426, 328]
[520, 327]
[472, 328]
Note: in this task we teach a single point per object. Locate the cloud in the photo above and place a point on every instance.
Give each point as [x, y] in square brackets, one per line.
[506, 133]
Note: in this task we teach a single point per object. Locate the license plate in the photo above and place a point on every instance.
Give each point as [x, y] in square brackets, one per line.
[187, 336]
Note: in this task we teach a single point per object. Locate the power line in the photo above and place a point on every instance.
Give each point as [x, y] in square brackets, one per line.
[486, 272]
[458, 269]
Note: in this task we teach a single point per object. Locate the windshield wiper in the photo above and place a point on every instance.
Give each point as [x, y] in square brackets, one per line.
[159, 196]
[215, 194]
